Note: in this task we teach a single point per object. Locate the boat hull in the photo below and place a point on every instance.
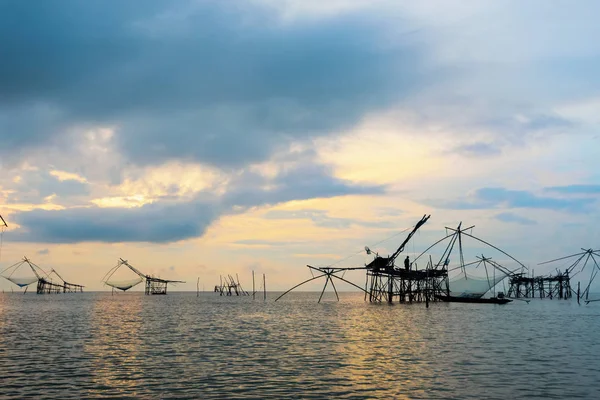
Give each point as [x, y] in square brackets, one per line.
[454, 299]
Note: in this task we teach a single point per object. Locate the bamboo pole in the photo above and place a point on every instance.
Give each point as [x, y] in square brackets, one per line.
[253, 287]
[264, 288]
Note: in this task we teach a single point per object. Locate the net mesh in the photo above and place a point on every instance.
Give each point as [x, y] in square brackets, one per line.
[21, 282]
[473, 286]
[124, 285]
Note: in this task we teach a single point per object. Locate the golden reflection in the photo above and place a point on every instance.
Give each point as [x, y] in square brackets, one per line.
[384, 350]
[116, 343]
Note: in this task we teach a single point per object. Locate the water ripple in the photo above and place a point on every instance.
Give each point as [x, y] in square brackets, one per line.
[95, 345]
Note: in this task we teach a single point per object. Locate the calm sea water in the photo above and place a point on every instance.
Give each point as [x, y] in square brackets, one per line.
[183, 346]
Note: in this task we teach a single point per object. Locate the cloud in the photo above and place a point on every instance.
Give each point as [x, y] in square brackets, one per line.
[575, 189]
[34, 186]
[150, 223]
[525, 199]
[478, 149]
[322, 219]
[514, 218]
[493, 197]
[44, 252]
[304, 182]
[269, 243]
[172, 221]
[216, 82]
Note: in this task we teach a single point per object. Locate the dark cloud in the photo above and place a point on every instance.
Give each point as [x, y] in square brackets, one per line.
[575, 189]
[488, 198]
[150, 223]
[514, 218]
[173, 221]
[218, 82]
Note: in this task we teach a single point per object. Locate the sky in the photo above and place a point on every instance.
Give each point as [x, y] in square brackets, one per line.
[200, 138]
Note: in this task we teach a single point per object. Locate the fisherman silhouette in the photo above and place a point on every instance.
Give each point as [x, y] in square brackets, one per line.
[406, 263]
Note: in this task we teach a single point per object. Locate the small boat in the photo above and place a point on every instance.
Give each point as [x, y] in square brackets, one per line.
[478, 300]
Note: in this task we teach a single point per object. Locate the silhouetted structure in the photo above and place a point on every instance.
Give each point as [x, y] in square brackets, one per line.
[523, 286]
[229, 286]
[153, 285]
[384, 281]
[45, 283]
[3, 227]
[559, 285]
[464, 288]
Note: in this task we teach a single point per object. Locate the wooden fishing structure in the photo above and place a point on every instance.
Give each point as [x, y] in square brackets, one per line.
[3, 228]
[559, 285]
[465, 288]
[45, 283]
[548, 286]
[386, 282]
[154, 285]
[229, 286]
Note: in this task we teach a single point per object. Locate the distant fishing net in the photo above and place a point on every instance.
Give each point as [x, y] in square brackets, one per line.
[114, 277]
[124, 285]
[20, 281]
[469, 286]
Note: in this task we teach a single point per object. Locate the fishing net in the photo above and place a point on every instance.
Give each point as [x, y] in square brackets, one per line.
[124, 285]
[21, 282]
[469, 286]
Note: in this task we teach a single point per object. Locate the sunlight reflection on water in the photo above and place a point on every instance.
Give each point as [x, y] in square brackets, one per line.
[180, 346]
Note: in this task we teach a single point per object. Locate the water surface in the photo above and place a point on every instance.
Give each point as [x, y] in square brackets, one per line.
[183, 346]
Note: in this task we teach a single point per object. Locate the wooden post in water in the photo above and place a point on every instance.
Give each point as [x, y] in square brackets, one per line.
[578, 291]
[198, 287]
[427, 283]
[264, 288]
[253, 287]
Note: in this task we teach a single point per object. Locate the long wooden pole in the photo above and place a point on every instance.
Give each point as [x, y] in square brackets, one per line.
[253, 287]
[264, 288]
[198, 287]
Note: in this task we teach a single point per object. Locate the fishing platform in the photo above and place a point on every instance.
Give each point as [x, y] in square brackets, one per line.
[154, 285]
[385, 282]
[229, 286]
[45, 282]
[388, 282]
[550, 286]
